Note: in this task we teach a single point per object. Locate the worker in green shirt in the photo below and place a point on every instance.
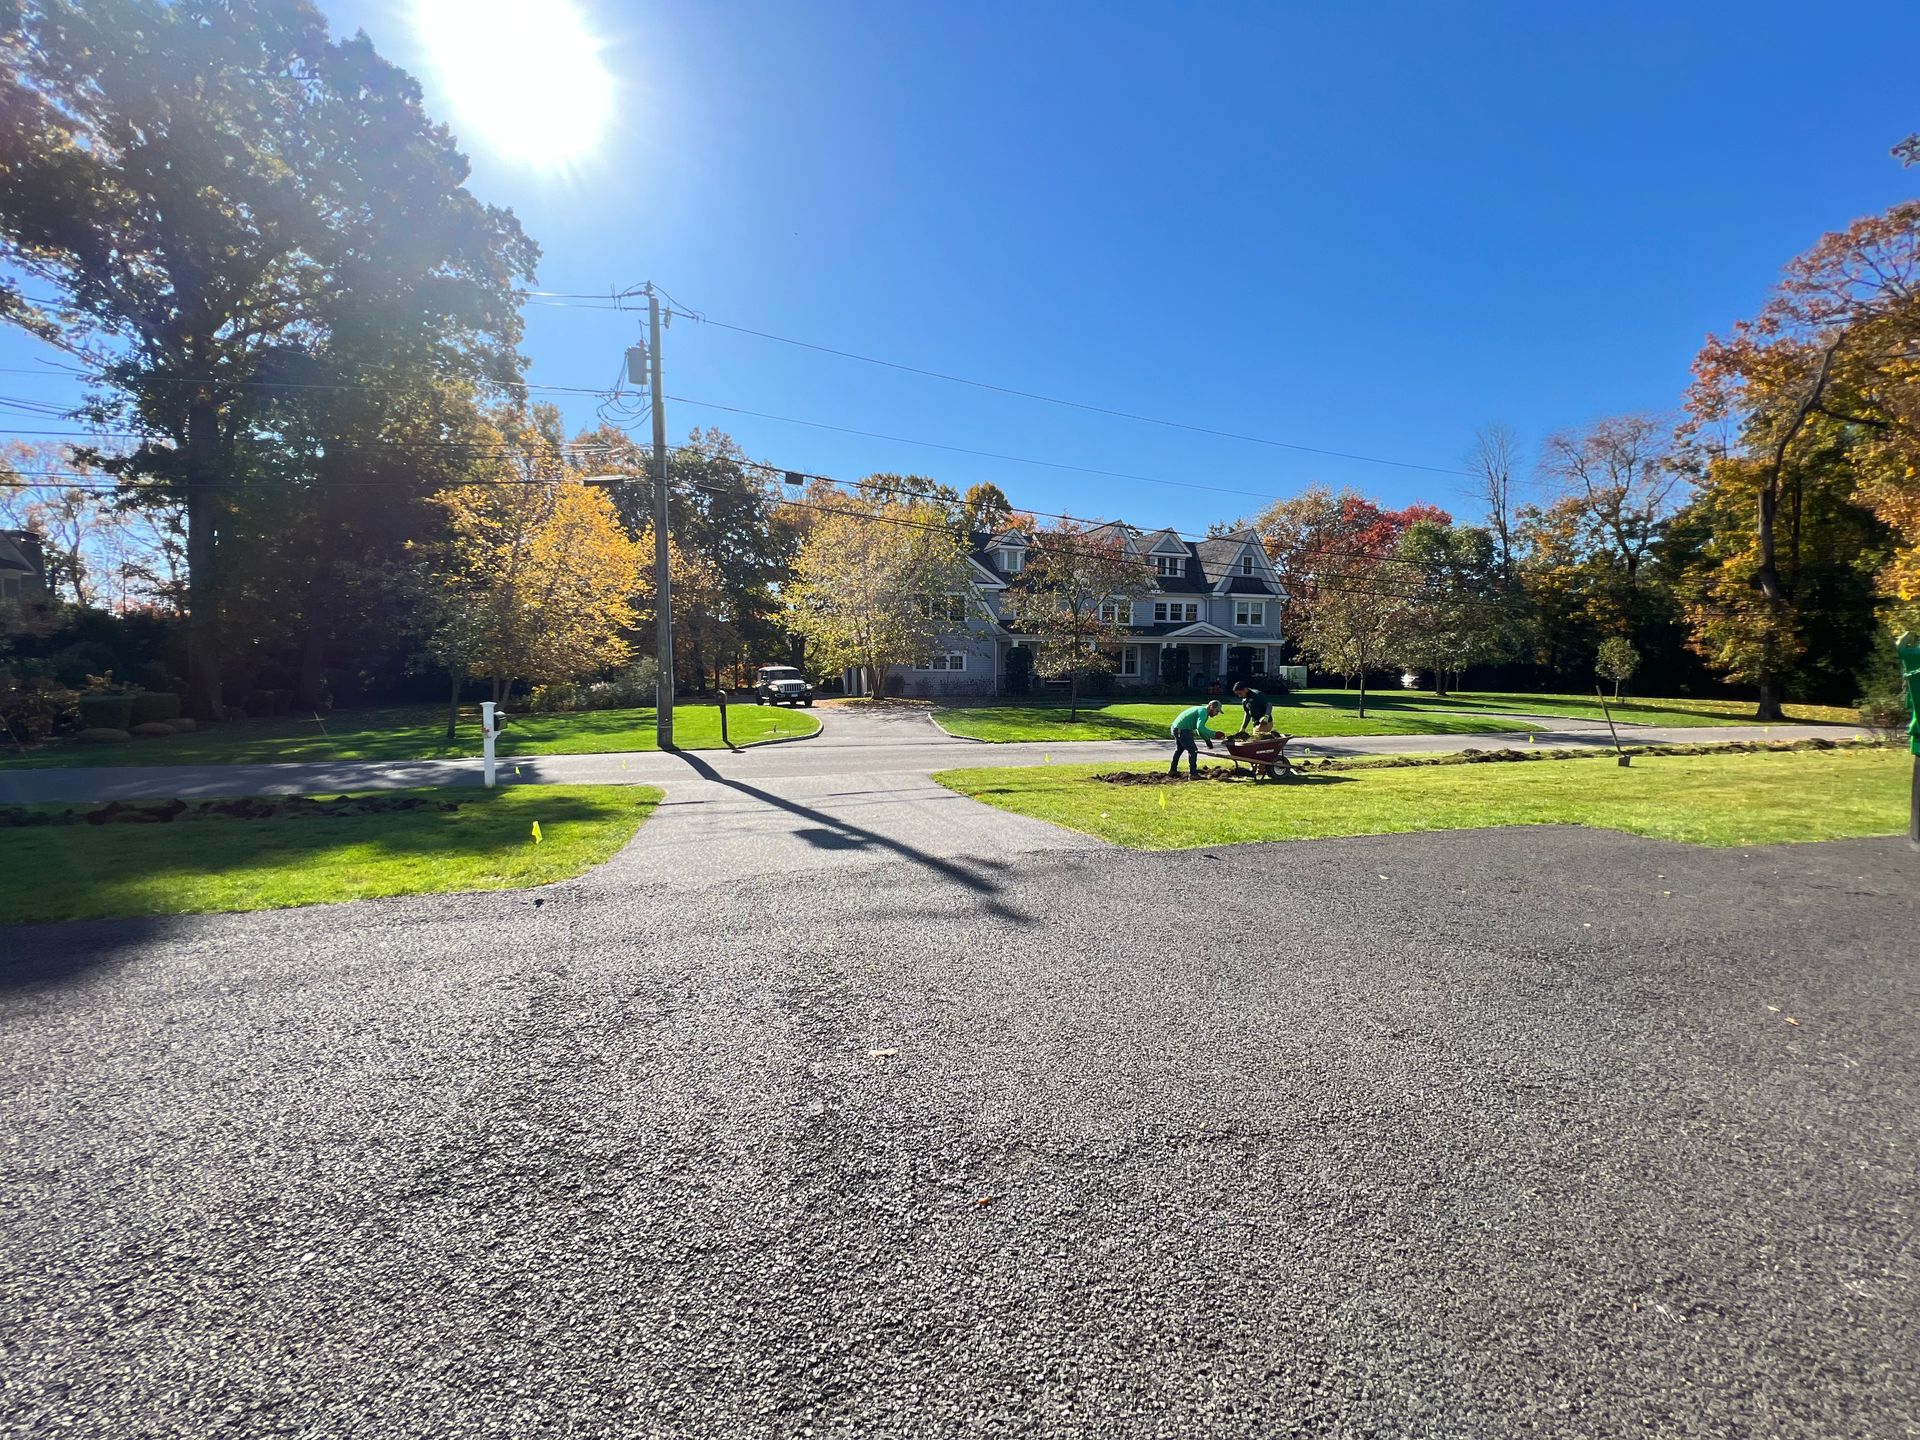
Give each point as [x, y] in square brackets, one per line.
[1189, 726]
[1254, 705]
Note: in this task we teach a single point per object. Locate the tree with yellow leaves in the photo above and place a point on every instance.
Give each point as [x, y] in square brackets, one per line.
[536, 581]
[880, 583]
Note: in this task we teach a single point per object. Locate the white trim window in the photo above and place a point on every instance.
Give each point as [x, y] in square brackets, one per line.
[1246, 563]
[1175, 612]
[1129, 660]
[954, 660]
[1250, 614]
[1116, 612]
[1169, 566]
[1010, 559]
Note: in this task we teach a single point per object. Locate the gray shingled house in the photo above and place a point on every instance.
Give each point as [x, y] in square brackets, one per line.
[1213, 613]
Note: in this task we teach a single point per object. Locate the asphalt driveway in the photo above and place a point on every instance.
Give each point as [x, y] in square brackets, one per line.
[1490, 1134]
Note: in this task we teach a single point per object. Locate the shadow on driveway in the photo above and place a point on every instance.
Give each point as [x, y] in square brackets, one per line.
[827, 832]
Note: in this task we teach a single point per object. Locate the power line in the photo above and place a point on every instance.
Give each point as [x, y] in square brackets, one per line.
[965, 450]
[1074, 404]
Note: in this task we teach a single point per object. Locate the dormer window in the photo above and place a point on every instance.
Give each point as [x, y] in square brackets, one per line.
[1166, 565]
[1012, 562]
[1246, 564]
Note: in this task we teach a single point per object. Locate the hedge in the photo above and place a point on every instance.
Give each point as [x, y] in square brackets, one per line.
[151, 708]
[105, 712]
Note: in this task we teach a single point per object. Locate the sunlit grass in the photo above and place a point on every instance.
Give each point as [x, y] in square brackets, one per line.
[1325, 712]
[1700, 799]
[80, 871]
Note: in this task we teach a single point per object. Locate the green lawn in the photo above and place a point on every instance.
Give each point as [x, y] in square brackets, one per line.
[1673, 712]
[1335, 712]
[1310, 712]
[1757, 799]
[80, 871]
[418, 732]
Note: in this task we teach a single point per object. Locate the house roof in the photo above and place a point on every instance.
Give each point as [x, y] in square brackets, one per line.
[1204, 566]
[13, 556]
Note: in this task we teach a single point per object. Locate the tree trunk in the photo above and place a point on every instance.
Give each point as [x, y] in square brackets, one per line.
[203, 596]
[313, 654]
[1616, 690]
[1073, 696]
[1363, 694]
[1769, 708]
[453, 704]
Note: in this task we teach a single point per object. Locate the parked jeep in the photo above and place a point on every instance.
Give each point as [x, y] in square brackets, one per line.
[781, 685]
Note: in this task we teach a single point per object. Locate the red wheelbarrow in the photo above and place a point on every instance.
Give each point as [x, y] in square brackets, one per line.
[1268, 757]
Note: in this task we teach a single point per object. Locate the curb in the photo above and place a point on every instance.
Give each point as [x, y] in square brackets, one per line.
[965, 739]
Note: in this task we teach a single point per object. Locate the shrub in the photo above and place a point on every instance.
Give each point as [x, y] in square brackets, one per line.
[153, 676]
[149, 707]
[74, 664]
[105, 710]
[183, 726]
[103, 735]
[1884, 711]
[259, 704]
[32, 708]
[631, 688]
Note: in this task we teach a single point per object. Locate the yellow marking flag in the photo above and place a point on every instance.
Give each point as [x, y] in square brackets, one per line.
[1163, 799]
[536, 832]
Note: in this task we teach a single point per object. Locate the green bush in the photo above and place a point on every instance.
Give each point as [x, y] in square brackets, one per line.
[105, 711]
[149, 708]
[1886, 710]
[630, 689]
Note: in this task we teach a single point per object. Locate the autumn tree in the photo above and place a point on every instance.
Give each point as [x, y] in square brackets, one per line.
[1075, 597]
[1346, 590]
[985, 507]
[1452, 606]
[864, 578]
[734, 536]
[1821, 394]
[219, 196]
[536, 581]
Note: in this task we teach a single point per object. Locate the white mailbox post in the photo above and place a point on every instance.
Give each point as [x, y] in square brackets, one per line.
[487, 732]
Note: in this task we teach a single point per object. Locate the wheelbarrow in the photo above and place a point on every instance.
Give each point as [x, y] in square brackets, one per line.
[1267, 757]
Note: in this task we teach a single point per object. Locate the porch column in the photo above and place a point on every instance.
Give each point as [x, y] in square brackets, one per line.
[1223, 660]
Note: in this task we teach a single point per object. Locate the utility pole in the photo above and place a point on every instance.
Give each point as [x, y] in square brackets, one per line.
[662, 587]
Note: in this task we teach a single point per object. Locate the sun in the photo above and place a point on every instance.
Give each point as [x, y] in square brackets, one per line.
[526, 81]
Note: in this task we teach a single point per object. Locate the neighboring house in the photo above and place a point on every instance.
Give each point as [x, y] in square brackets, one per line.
[1213, 613]
[23, 568]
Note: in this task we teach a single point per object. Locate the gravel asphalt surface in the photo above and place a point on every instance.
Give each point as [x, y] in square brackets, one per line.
[1496, 1134]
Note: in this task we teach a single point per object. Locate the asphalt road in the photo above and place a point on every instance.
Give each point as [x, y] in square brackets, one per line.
[1494, 1134]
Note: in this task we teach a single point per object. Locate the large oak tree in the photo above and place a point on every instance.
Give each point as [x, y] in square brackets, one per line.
[237, 211]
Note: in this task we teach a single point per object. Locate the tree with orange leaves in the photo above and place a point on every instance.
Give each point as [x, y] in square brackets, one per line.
[1821, 389]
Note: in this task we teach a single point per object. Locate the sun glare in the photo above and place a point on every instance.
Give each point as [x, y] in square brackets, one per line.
[524, 80]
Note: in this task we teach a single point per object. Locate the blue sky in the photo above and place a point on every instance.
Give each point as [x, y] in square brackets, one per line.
[1365, 227]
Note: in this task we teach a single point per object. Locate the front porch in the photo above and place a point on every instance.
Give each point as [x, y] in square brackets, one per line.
[1192, 658]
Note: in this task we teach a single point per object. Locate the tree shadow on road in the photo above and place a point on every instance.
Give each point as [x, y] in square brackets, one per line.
[828, 832]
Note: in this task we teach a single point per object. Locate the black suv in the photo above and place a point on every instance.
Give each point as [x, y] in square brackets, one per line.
[781, 685]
